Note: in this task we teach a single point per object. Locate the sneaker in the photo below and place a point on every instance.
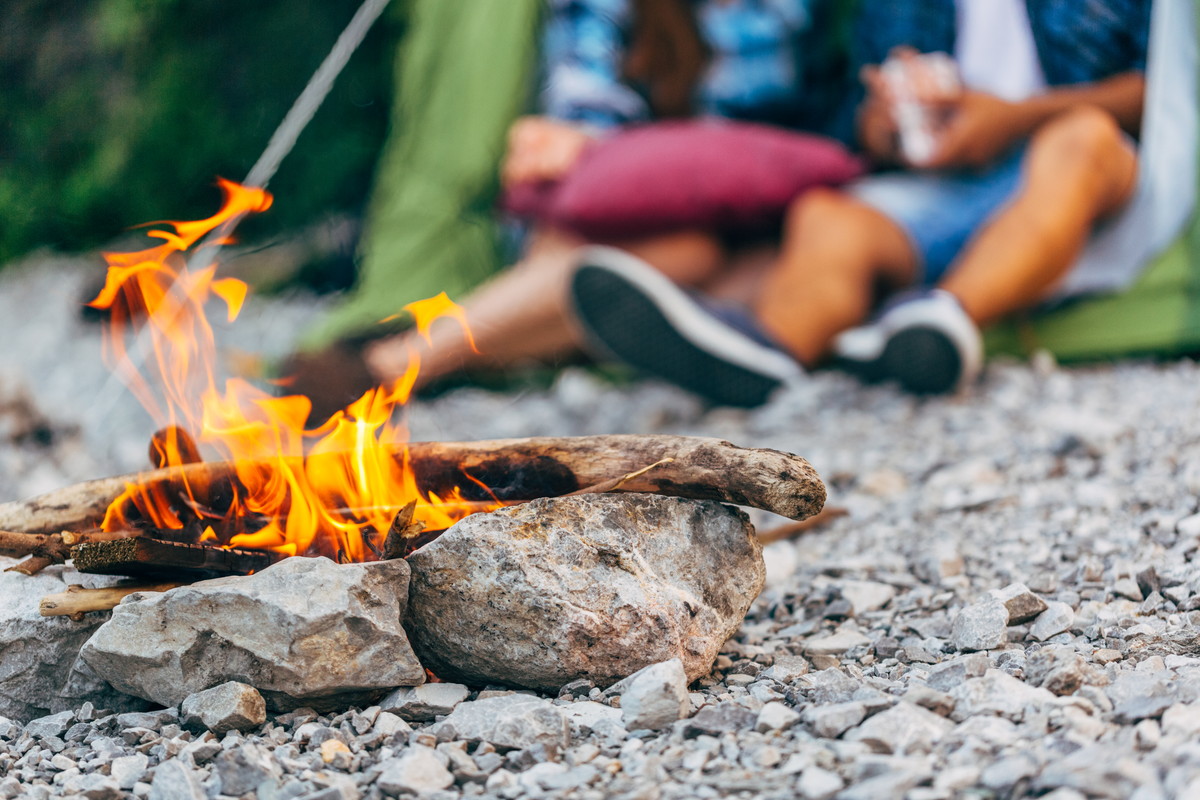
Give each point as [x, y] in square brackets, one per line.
[634, 313]
[924, 341]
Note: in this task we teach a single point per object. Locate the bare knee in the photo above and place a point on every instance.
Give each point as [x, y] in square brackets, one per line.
[1085, 147]
[850, 233]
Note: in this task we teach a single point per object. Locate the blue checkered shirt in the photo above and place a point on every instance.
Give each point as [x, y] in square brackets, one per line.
[760, 62]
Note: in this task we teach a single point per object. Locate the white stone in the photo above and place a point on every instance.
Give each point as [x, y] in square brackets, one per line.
[418, 770]
[819, 784]
[835, 644]
[424, 703]
[775, 716]
[655, 697]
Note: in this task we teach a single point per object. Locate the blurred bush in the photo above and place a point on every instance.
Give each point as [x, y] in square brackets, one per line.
[117, 112]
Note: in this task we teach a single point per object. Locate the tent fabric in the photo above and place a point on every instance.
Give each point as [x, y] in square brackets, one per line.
[462, 75]
[1160, 313]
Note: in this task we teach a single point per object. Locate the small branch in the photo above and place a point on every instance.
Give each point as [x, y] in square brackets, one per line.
[76, 600]
[32, 565]
[792, 529]
[401, 531]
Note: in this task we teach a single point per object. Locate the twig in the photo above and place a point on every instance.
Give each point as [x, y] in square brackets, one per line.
[32, 565]
[616, 483]
[76, 600]
[402, 529]
[791, 529]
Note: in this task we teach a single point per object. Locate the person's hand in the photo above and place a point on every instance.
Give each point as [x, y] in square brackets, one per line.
[979, 128]
[541, 149]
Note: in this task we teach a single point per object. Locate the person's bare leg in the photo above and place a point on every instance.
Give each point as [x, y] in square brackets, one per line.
[836, 252]
[1078, 169]
[521, 316]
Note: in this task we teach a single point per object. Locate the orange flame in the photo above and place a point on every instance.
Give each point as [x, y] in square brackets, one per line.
[333, 490]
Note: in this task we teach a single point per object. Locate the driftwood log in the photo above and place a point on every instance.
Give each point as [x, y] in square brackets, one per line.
[513, 470]
[78, 600]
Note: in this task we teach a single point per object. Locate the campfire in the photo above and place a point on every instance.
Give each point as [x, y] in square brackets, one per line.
[239, 482]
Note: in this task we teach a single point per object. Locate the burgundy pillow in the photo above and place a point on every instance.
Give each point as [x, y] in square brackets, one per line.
[713, 174]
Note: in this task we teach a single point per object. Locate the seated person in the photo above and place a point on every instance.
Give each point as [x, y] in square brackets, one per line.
[1035, 151]
[608, 63]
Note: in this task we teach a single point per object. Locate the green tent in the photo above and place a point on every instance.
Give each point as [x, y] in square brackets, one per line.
[465, 74]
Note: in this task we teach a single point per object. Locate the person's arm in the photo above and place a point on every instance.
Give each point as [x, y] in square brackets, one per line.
[583, 49]
[982, 126]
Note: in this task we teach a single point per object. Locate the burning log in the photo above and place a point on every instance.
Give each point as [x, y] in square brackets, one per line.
[77, 600]
[48, 548]
[155, 558]
[173, 440]
[512, 470]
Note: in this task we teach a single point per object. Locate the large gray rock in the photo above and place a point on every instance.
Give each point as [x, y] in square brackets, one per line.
[592, 586]
[40, 670]
[304, 632]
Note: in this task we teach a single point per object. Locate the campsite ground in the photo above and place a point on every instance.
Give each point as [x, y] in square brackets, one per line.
[1080, 483]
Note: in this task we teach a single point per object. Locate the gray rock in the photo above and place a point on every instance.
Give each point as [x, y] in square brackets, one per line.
[1141, 695]
[720, 718]
[830, 686]
[42, 672]
[232, 706]
[243, 768]
[128, 770]
[818, 784]
[983, 625]
[304, 632]
[786, 669]
[775, 716]
[1129, 589]
[587, 717]
[418, 771]
[512, 722]
[424, 703]
[51, 725]
[1097, 771]
[592, 586]
[1057, 618]
[1059, 670]
[902, 729]
[834, 644]
[174, 781]
[388, 724]
[655, 697]
[866, 596]
[1022, 604]
[832, 721]
[997, 693]
[948, 674]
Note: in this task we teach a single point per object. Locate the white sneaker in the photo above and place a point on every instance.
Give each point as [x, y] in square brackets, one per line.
[924, 341]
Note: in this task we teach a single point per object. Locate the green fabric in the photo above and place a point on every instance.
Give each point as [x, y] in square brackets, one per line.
[462, 76]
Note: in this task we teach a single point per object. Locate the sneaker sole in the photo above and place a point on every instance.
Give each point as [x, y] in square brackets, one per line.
[621, 314]
[923, 360]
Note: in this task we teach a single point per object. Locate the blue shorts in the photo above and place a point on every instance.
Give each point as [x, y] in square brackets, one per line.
[941, 211]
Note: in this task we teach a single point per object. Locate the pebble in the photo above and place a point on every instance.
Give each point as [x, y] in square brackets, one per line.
[1057, 618]
[419, 771]
[425, 702]
[1022, 604]
[655, 696]
[229, 706]
[835, 643]
[981, 625]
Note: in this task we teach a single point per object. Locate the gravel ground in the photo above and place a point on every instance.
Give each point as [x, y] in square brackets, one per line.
[1010, 608]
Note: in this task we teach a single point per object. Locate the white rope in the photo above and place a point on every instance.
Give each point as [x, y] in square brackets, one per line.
[281, 143]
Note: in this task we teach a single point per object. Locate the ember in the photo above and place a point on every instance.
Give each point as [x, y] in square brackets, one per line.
[333, 490]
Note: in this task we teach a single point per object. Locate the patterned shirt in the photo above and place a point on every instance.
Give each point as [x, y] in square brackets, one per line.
[758, 69]
[1078, 41]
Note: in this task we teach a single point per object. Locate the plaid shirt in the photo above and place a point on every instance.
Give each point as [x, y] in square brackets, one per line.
[761, 59]
[1078, 41]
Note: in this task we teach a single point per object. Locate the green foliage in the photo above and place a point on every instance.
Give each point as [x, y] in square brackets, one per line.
[117, 112]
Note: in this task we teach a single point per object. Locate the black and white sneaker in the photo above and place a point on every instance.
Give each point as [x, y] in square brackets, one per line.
[632, 312]
[924, 341]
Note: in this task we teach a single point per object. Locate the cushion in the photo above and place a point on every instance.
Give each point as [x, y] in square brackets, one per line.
[712, 174]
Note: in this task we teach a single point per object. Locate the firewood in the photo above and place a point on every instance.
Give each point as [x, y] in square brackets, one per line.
[512, 469]
[156, 558]
[32, 565]
[48, 548]
[401, 531]
[77, 600]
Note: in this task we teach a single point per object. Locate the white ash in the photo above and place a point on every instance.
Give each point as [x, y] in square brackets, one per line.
[1079, 484]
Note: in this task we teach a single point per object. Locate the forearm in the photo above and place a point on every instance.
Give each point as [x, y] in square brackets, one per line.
[1121, 95]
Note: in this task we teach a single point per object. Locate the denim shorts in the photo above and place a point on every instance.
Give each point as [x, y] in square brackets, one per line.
[941, 211]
